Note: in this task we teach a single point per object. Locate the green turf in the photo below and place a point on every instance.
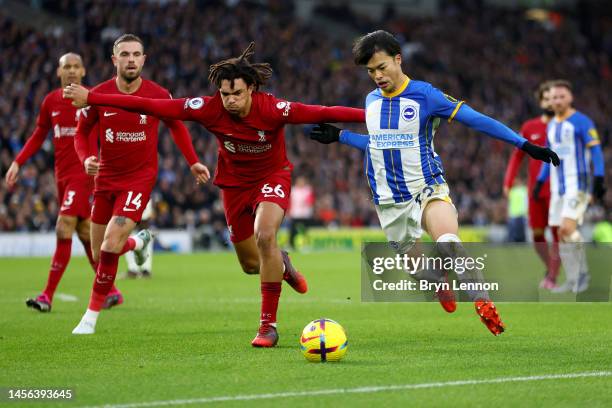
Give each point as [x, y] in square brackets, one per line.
[186, 334]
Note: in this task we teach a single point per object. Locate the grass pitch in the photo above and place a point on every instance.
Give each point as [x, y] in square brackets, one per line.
[185, 334]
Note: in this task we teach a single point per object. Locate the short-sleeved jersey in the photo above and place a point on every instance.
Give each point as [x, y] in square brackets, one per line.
[58, 114]
[128, 140]
[400, 157]
[250, 148]
[570, 139]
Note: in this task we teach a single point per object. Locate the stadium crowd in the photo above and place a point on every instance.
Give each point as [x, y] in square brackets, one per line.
[492, 62]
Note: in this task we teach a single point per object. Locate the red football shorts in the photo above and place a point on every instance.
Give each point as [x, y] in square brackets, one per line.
[74, 196]
[240, 203]
[538, 213]
[127, 203]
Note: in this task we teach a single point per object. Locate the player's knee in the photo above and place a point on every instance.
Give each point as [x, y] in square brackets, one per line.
[112, 244]
[265, 239]
[249, 266]
[95, 254]
[538, 234]
[449, 245]
[64, 228]
[83, 232]
[570, 235]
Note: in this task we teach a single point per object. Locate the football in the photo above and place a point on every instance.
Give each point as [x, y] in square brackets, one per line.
[323, 340]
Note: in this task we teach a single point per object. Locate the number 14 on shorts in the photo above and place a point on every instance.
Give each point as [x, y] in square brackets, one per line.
[133, 203]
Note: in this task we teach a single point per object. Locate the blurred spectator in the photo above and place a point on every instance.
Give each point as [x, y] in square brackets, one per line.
[517, 211]
[301, 208]
[493, 59]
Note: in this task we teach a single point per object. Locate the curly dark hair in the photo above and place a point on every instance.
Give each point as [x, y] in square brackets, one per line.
[231, 69]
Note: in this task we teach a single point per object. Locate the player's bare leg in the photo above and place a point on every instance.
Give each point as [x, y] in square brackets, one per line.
[440, 221]
[248, 256]
[573, 257]
[96, 233]
[116, 241]
[64, 228]
[268, 218]
[555, 258]
[446, 297]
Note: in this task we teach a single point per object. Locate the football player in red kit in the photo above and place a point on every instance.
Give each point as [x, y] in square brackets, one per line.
[534, 130]
[126, 170]
[74, 186]
[253, 171]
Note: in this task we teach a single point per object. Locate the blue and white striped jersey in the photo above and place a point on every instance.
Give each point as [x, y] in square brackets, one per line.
[570, 139]
[400, 157]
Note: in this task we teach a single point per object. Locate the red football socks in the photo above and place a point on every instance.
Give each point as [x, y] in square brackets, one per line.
[60, 260]
[129, 245]
[270, 293]
[541, 247]
[94, 264]
[555, 259]
[105, 277]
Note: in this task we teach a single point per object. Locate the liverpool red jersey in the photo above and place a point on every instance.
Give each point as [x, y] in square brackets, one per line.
[534, 130]
[128, 140]
[250, 148]
[57, 114]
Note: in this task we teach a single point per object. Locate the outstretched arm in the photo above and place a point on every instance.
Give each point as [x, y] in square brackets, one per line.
[445, 106]
[326, 134]
[498, 130]
[354, 139]
[165, 108]
[295, 112]
[488, 126]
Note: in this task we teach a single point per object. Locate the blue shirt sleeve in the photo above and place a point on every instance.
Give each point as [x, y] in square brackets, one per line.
[544, 172]
[488, 126]
[442, 105]
[598, 160]
[354, 139]
[588, 132]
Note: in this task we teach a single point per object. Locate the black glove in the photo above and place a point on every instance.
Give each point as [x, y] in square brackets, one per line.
[541, 153]
[324, 133]
[535, 194]
[599, 188]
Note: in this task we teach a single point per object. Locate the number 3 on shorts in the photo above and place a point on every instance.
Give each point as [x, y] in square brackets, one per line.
[134, 202]
[70, 199]
[271, 192]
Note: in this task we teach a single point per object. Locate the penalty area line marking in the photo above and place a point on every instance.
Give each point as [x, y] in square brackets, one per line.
[357, 390]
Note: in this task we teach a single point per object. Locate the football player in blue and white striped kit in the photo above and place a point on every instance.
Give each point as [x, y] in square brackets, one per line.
[573, 136]
[403, 170]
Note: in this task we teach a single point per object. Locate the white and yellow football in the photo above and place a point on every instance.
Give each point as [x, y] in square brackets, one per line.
[323, 340]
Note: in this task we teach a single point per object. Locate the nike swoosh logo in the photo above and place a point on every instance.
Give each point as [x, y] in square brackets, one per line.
[270, 195]
[305, 339]
[128, 209]
[109, 114]
[54, 114]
